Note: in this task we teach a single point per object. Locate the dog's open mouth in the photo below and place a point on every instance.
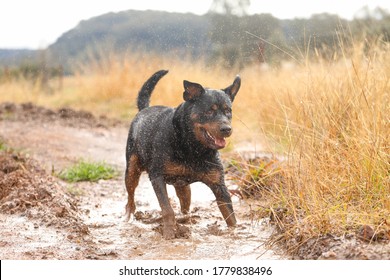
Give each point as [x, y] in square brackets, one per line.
[214, 141]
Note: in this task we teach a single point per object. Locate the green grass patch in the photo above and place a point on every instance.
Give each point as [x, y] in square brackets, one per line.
[74, 190]
[88, 171]
[3, 146]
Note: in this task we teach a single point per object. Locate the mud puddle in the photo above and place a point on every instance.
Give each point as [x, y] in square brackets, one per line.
[23, 239]
[204, 234]
[94, 226]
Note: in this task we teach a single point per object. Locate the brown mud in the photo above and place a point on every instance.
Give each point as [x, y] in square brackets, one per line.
[42, 217]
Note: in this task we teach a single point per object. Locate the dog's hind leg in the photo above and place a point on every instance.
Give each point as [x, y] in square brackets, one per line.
[132, 175]
[184, 195]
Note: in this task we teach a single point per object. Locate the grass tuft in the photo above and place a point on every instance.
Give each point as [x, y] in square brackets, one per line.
[3, 146]
[88, 171]
[74, 190]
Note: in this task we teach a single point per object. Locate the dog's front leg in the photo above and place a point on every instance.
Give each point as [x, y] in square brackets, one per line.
[216, 182]
[168, 215]
[224, 203]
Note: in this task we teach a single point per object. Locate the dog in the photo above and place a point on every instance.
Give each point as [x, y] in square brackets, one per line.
[179, 146]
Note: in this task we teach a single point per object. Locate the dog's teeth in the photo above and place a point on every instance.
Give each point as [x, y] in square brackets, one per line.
[209, 135]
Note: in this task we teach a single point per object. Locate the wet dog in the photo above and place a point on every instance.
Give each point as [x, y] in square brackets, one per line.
[179, 146]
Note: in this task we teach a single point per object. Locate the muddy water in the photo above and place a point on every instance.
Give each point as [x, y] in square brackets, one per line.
[101, 206]
[22, 238]
[208, 237]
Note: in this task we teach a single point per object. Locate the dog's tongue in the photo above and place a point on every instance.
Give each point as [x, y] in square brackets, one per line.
[220, 142]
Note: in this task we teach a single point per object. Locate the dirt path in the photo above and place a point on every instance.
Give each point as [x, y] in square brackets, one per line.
[89, 225]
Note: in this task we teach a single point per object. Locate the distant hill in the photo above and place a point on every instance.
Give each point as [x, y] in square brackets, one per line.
[236, 40]
[151, 31]
[13, 57]
[154, 31]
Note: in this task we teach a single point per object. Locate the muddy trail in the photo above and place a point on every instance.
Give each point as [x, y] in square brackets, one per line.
[43, 217]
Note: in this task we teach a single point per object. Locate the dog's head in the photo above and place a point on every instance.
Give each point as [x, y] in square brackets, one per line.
[211, 112]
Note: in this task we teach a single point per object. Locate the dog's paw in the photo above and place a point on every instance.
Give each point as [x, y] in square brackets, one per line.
[168, 233]
[129, 218]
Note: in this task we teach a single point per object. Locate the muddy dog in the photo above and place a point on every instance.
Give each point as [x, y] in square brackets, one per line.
[179, 146]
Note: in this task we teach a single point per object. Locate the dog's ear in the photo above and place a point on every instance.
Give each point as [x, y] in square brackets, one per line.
[192, 91]
[233, 88]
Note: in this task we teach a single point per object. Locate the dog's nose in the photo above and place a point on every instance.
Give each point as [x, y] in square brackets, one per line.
[226, 129]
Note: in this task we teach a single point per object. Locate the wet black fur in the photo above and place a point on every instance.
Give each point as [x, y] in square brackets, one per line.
[162, 136]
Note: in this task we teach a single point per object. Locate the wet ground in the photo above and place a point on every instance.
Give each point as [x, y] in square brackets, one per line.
[43, 217]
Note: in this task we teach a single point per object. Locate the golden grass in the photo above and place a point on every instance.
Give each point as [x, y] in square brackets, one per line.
[110, 87]
[330, 120]
[333, 122]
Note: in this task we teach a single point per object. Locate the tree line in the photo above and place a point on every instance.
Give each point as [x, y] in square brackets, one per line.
[232, 38]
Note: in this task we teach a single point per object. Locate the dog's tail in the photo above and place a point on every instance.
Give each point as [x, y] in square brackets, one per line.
[147, 89]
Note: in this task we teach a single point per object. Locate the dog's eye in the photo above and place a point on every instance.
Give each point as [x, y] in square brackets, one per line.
[228, 111]
[209, 113]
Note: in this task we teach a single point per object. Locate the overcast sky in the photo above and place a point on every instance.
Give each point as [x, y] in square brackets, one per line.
[38, 23]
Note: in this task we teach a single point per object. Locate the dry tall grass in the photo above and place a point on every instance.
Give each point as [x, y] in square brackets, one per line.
[331, 121]
[110, 87]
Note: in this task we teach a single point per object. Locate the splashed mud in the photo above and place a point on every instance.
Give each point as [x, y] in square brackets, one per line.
[86, 220]
[42, 217]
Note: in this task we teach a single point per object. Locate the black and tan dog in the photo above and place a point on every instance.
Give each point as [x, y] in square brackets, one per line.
[179, 146]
